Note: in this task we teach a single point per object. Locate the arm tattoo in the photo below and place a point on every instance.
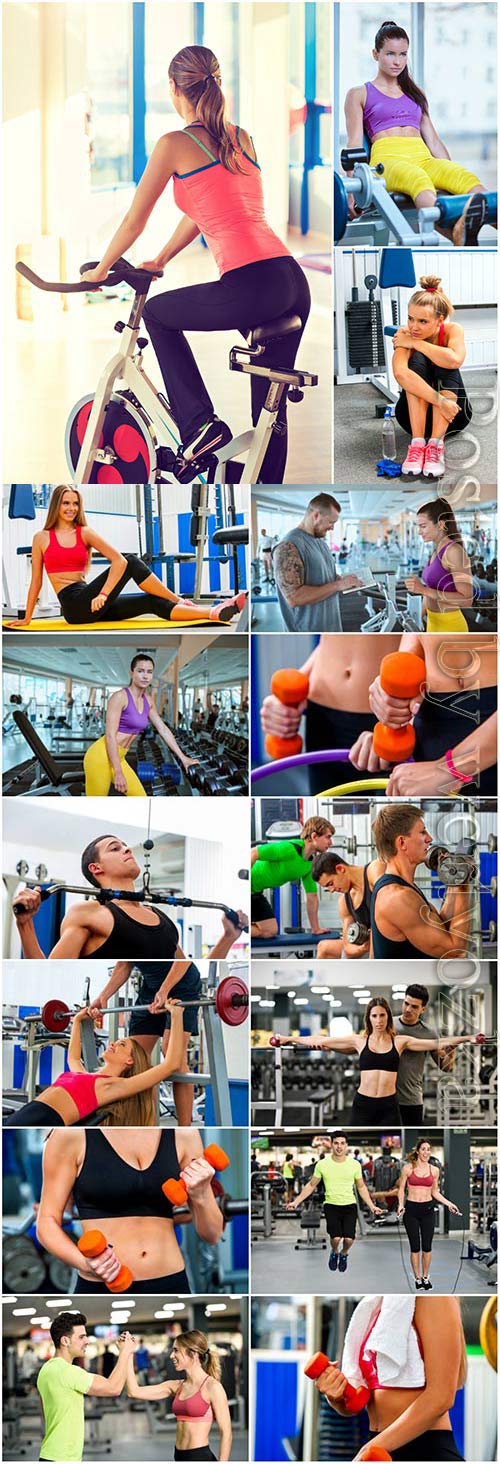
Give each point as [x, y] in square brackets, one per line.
[288, 568]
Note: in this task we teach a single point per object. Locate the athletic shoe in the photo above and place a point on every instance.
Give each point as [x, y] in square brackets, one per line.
[342, 1263]
[472, 218]
[414, 460]
[419, 1285]
[228, 608]
[195, 454]
[333, 1260]
[434, 464]
[427, 1285]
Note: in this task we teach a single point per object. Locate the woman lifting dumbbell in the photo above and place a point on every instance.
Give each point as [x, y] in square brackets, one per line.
[197, 1402]
[404, 1360]
[63, 548]
[379, 1050]
[133, 1211]
[217, 186]
[433, 403]
[421, 1180]
[128, 713]
[394, 113]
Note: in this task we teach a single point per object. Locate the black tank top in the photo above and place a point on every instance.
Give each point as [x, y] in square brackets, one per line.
[129, 938]
[385, 1062]
[383, 947]
[361, 912]
[154, 973]
[108, 1186]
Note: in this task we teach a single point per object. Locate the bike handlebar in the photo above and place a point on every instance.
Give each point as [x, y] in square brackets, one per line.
[123, 272]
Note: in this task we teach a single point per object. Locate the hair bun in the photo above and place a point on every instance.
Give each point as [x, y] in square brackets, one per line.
[430, 282]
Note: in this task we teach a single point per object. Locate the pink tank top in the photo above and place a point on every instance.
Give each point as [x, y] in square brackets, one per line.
[381, 112]
[81, 1088]
[367, 1360]
[228, 208]
[195, 1406]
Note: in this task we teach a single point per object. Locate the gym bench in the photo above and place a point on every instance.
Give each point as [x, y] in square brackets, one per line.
[62, 775]
[304, 943]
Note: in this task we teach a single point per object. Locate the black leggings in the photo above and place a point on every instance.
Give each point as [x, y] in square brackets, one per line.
[374, 1111]
[75, 600]
[442, 380]
[419, 1221]
[205, 1453]
[34, 1115]
[436, 1445]
[326, 727]
[175, 1285]
[240, 300]
[445, 717]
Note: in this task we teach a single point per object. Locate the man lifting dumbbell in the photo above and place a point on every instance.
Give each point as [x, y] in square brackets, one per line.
[404, 922]
[277, 864]
[354, 884]
[159, 979]
[341, 1177]
[93, 929]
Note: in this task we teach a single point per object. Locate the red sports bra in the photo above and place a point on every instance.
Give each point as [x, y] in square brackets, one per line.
[81, 1088]
[368, 1360]
[195, 1406]
[417, 1179]
[61, 559]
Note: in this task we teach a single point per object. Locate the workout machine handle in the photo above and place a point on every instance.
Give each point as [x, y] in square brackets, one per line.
[122, 273]
[145, 896]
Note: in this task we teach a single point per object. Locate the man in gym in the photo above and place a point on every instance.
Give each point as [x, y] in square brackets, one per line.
[265, 547]
[94, 931]
[404, 923]
[159, 979]
[341, 1176]
[62, 1387]
[277, 864]
[306, 577]
[409, 1086]
[354, 884]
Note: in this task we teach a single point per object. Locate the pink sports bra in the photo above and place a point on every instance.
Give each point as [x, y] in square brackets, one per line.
[228, 208]
[81, 1088]
[428, 1180]
[132, 720]
[59, 559]
[195, 1406]
[381, 112]
[367, 1360]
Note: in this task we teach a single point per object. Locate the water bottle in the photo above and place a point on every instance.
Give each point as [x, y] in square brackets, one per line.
[388, 436]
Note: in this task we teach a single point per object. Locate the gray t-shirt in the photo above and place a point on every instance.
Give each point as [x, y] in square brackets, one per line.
[409, 1087]
[319, 569]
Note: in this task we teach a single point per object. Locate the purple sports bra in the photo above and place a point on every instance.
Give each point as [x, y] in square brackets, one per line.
[436, 577]
[132, 720]
[381, 112]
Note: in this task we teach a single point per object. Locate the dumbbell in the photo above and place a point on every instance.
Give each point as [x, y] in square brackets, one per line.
[374, 1451]
[451, 867]
[401, 675]
[291, 688]
[354, 1398]
[176, 1190]
[92, 1244]
[357, 934]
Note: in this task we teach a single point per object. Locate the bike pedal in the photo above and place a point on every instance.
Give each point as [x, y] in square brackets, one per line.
[166, 459]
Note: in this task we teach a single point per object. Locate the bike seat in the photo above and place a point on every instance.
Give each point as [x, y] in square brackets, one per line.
[283, 325]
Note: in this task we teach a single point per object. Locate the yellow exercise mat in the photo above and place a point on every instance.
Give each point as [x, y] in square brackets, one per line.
[141, 622]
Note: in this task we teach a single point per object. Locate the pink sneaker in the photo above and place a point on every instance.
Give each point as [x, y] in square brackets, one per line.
[434, 464]
[414, 460]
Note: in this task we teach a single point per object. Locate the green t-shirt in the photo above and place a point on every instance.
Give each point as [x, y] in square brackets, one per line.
[288, 1171]
[338, 1179]
[280, 864]
[62, 1389]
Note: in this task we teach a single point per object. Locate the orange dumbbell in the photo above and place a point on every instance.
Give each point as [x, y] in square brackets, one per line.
[401, 675]
[354, 1398]
[374, 1451]
[291, 688]
[175, 1189]
[92, 1244]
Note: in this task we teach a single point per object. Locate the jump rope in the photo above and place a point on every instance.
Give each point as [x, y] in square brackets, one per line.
[410, 1280]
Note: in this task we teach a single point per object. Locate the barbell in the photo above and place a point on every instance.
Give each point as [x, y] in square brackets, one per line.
[230, 1001]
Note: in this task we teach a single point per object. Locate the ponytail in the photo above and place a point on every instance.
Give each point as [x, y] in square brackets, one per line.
[414, 1154]
[390, 31]
[197, 1345]
[196, 73]
[440, 512]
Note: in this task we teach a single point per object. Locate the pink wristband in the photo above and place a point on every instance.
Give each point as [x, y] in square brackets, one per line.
[462, 777]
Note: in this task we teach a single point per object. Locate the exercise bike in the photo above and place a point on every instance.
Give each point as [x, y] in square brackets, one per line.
[125, 432]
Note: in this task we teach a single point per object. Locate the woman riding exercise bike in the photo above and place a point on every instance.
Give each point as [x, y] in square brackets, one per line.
[218, 188]
[128, 713]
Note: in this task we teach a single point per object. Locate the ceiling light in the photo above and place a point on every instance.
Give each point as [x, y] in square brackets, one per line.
[301, 1001]
[23, 1311]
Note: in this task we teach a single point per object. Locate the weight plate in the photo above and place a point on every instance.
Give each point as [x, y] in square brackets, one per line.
[488, 1331]
[23, 1267]
[231, 1001]
[340, 209]
[492, 843]
[62, 1276]
[55, 1015]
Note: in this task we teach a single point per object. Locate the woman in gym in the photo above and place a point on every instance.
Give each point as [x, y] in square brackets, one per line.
[446, 580]
[128, 713]
[132, 1210]
[423, 1193]
[64, 549]
[379, 1051]
[410, 1353]
[198, 1401]
[433, 402]
[218, 188]
[394, 113]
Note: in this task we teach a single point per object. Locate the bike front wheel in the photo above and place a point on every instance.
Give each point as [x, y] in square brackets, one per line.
[127, 437]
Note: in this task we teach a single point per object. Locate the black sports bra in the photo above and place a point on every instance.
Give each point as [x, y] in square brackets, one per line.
[108, 1186]
[385, 1062]
[129, 938]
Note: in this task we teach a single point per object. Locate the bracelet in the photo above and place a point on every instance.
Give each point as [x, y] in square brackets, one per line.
[103, 594]
[462, 777]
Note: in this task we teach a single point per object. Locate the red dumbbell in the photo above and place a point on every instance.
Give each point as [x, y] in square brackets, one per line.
[291, 688]
[175, 1189]
[401, 675]
[354, 1398]
[92, 1244]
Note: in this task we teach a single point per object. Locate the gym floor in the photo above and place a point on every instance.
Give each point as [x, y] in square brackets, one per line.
[124, 1435]
[358, 434]
[376, 1258]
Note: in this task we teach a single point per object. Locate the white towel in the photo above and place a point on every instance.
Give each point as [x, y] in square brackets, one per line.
[393, 1340]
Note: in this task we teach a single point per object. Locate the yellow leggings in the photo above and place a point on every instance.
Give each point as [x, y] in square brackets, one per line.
[449, 621]
[99, 772]
[409, 167]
